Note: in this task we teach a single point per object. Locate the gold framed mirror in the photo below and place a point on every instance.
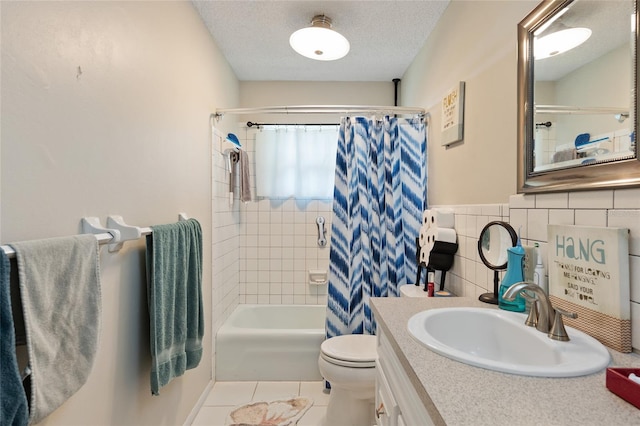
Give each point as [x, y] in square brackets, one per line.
[577, 108]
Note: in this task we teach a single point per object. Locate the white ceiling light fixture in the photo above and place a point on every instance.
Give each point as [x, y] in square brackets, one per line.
[319, 41]
[560, 42]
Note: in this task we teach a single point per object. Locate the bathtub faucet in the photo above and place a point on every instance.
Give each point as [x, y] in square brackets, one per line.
[545, 318]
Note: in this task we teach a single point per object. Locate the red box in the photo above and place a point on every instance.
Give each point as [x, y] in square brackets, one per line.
[619, 383]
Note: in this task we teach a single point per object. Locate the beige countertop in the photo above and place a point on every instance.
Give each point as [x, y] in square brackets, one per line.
[458, 394]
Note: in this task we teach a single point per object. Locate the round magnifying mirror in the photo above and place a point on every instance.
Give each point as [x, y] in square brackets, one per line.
[496, 237]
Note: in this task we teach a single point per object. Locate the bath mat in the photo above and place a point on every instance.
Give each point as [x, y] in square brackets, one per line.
[273, 413]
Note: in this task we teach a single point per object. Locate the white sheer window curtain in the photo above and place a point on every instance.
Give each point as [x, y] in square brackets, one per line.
[296, 161]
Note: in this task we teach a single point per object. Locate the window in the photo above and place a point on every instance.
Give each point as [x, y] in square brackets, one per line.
[296, 161]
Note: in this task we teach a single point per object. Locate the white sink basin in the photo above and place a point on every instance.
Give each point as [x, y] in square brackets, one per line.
[498, 340]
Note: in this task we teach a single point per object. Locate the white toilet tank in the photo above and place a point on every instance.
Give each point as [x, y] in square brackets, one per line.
[412, 290]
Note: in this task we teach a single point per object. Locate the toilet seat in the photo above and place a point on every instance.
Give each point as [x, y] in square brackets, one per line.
[352, 350]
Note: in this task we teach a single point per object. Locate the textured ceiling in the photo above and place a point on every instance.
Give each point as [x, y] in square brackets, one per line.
[385, 36]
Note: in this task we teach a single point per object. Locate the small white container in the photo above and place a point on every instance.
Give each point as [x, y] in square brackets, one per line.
[539, 273]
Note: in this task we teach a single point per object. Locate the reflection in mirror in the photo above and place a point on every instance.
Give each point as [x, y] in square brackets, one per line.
[583, 96]
[577, 105]
[495, 238]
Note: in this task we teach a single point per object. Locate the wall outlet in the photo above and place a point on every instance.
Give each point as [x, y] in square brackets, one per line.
[529, 262]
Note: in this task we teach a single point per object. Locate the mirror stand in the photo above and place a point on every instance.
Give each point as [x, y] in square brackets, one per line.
[491, 298]
[496, 237]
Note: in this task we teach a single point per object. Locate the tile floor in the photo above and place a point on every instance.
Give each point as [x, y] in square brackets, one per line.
[225, 396]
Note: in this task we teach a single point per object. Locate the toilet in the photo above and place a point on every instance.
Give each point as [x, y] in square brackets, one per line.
[411, 290]
[348, 364]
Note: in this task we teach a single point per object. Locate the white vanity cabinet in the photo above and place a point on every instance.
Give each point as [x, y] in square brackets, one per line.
[397, 403]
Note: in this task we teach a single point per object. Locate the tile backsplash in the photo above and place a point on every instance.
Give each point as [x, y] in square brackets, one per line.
[531, 214]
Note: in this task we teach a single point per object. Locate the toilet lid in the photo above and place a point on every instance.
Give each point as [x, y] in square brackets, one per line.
[352, 347]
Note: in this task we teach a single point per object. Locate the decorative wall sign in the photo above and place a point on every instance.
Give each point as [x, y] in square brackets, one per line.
[589, 275]
[453, 115]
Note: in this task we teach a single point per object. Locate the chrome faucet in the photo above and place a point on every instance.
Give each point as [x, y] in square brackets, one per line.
[545, 318]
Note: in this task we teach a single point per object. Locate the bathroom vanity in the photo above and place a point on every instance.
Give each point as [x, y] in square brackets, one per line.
[417, 386]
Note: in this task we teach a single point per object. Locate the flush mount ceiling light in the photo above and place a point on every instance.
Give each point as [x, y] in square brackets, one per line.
[319, 41]
[560, 42]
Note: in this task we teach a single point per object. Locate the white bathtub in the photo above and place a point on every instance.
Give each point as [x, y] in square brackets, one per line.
[271, 342]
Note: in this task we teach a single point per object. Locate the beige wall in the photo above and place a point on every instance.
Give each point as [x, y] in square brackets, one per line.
[475, 42]
[270, 93]
[105, 110]
[285, 93]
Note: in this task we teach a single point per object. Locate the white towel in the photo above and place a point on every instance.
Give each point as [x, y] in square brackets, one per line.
[60, 290]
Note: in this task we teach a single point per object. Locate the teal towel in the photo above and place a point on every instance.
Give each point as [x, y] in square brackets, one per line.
[174, 281]
[61, 303]
[13, 400]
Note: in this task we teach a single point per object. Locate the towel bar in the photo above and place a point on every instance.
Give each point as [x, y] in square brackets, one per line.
[116, 233]
[102, 238]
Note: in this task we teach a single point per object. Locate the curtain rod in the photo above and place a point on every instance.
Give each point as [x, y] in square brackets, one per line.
[564, 109]
[320, 109]
[258, 125]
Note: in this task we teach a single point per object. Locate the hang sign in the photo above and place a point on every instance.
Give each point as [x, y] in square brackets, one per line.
[589, 266]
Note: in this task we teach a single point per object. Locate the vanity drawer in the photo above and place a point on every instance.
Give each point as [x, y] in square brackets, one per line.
[386, 407]
[409, 409]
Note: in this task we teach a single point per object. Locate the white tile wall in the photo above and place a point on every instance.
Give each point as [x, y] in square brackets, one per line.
[591, 199]
[558, 200]
[225, 244]
[531, 214]
[279, 245]
[468, 275]
[627, 199]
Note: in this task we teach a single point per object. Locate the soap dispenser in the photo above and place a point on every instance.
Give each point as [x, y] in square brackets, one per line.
[514, 274]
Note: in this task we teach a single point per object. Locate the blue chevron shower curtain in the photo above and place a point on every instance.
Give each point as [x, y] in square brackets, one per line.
[380, 193]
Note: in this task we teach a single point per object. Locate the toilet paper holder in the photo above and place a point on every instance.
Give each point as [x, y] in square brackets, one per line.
[440, 258]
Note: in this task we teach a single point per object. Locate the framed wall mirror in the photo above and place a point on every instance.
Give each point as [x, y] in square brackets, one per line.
[577, 104]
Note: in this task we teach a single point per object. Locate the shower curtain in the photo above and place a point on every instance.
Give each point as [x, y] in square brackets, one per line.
[380, 193]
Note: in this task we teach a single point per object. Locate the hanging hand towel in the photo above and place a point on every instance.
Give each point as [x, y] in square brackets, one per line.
[60, 290]
[174, 280]
[245, 183]
[13, 400]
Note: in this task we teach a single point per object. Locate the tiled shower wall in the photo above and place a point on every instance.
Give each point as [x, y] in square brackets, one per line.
[279, 245]
[225, 239]
[531, 214]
